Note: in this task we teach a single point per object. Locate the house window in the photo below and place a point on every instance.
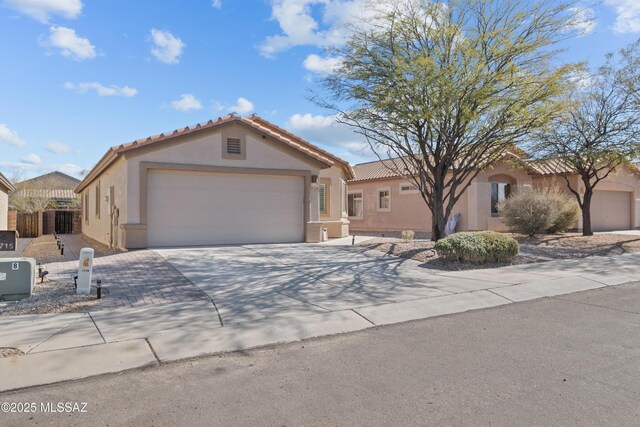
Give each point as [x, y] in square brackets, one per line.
[354, 205]
[500, 191]
[233, 146]
[384, 200]
[98, 201]
[408, 188]
[322, 193]
[86, 207]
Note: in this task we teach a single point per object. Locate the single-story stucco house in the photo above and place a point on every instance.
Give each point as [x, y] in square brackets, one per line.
[230, 181]
[5, 188]
[380, 199]
[45, 204]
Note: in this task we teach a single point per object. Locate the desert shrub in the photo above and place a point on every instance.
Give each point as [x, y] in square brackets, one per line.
[566, 210]
[407, 235]
[477, 247]
[537, 211]
[500, 248]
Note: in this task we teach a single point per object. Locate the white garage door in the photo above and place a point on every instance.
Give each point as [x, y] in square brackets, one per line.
[197, 208]
[611, 210]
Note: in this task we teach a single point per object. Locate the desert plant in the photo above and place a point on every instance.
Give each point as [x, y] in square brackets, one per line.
[407, 235]
[566, 209]
[537, 211]
[477, 247]
[500, 247]
[527, 212]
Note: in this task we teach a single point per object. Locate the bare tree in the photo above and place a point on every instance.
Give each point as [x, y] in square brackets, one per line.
[32, 195]
[599, 131]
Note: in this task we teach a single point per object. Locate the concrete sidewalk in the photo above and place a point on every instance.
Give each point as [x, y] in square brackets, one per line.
[71, 346]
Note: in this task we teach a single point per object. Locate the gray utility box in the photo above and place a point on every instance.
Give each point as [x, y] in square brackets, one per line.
[17, 278]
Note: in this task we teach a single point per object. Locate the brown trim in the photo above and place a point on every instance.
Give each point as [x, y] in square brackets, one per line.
[146, 166]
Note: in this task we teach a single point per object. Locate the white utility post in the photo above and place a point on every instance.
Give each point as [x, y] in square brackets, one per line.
[84, 271]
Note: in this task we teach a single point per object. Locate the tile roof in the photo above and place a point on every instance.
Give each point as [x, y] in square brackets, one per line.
[47, 193]
[380, 169]
[549, 167]
[253, 121]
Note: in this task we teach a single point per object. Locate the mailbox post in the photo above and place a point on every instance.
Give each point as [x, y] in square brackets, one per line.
[84, 271]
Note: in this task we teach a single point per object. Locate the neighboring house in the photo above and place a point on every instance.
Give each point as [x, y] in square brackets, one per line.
[231, 181]
[380, 200]
[45, 204]
[5, 188]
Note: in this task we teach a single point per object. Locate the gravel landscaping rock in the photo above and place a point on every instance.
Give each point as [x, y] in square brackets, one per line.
[10, 352]
[51, 297]
[532, 249]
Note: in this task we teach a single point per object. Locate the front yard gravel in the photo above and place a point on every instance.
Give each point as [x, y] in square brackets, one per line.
[532, 249]
[52, 296]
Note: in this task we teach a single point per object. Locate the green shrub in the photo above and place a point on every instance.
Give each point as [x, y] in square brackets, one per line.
[500, 248]
[537, 211]
[407, 235]
[477, 247]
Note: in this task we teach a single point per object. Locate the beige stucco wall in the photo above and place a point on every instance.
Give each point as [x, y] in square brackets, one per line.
[100, 228]
[479, 212]
[206, 149]
[335, 220]
[4, 210]
[410, 212]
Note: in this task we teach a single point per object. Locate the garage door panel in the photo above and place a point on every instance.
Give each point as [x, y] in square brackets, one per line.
[195, 208]
[611, 210]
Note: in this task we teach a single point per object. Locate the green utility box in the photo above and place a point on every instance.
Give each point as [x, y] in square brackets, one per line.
[17, 278]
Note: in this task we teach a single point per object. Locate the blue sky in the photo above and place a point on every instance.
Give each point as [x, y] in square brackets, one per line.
[77, 77]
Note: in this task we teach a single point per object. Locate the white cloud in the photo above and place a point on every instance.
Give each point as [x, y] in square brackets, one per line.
[57, 147]
[167, 47]
[69, 43]
[325, 130]
[242, 106]
[583, 20]
[628, 15]
[187, 102]
[42, 10]
[320, 65]
[319, 23]
[101, 89]
[32, 159]
[10, 137]
[217, 4]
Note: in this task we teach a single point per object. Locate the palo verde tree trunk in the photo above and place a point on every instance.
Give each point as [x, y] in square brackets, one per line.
[438, 217]
[586, 212]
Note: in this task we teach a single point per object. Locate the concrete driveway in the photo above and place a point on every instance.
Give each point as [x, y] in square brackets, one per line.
[255, 282]
[260, 295]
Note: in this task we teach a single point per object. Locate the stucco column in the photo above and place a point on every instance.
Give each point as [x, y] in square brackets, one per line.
[314, 226]
[472, 206]
[314, 203]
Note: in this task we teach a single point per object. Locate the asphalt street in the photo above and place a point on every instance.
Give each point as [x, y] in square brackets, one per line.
[568, 360]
